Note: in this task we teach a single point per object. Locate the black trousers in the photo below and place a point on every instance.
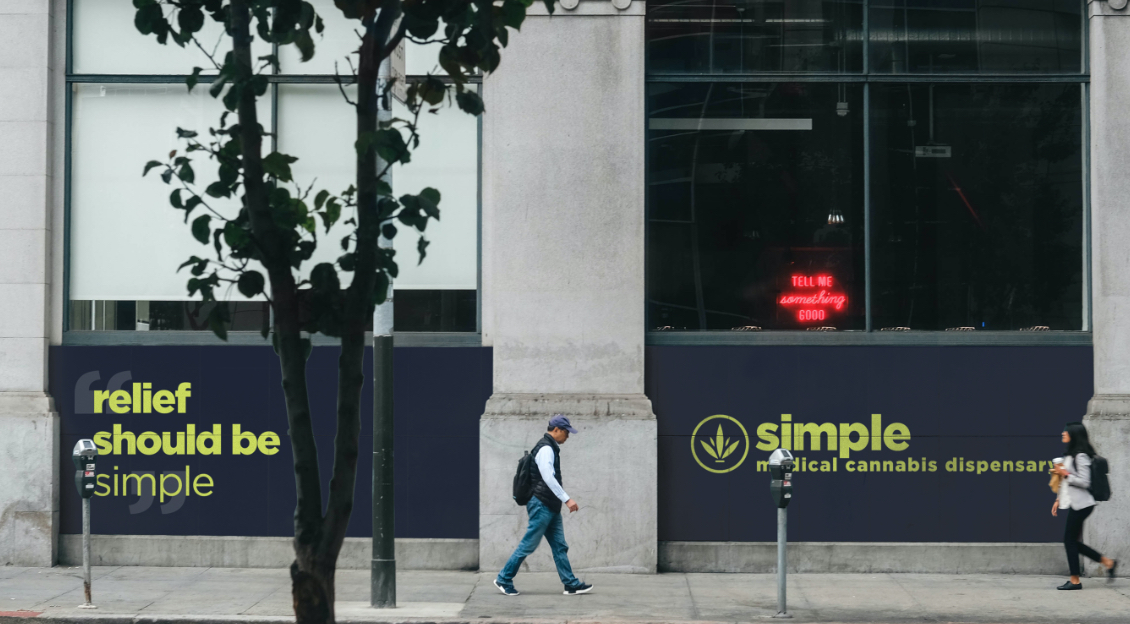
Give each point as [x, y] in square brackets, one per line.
[1075, 518]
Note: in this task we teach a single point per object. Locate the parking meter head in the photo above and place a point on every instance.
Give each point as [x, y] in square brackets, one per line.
[781, 465]
[783, 458]
[85, 458]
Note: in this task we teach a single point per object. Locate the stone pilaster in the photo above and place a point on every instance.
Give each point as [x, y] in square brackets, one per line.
[563, 280]
[29, 427]
[1108, 413]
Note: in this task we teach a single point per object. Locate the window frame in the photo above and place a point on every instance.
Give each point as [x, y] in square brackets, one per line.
[870, 335]
[169, 338]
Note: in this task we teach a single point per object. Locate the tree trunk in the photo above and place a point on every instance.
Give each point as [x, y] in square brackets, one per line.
[312, 572]
[317, 539]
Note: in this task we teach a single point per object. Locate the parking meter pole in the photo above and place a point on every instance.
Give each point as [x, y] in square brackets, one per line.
[86, 553]
[781, 466]
[782, 561]
[85, 458]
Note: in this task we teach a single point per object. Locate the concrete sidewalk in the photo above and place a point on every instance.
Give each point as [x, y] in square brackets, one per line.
[212, 595]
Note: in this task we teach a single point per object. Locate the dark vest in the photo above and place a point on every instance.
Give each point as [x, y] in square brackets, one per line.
[541, 490]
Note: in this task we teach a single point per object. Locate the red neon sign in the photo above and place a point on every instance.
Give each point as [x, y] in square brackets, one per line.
[814, 297]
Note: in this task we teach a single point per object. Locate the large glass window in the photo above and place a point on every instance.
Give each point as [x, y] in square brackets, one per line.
[720, 36]
[126, 243]
[855, 193]
[971, 36]
[977, 220]
[756, 203]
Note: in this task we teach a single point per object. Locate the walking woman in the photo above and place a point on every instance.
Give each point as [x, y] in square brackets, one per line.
[1075, 497]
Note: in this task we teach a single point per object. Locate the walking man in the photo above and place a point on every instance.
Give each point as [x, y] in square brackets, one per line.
[544, 510]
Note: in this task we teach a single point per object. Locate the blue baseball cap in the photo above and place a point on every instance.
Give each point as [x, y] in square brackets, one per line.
[561, 422]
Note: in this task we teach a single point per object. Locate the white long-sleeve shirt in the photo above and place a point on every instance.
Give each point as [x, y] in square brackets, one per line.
[544, 460]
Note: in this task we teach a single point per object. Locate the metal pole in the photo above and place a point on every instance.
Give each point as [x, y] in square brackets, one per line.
[782, 561]
[86, 554]
[382, 577]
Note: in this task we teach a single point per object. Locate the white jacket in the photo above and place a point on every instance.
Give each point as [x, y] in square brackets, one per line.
[1073, 492]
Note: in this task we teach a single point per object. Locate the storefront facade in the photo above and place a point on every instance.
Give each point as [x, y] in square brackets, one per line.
[884, 235]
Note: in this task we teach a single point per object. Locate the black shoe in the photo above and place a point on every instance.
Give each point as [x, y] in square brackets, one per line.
[579, 588]
[1110, 571]
[1069, 586]
[507, 589]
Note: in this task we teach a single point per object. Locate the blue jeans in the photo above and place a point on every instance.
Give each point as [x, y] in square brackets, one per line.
[542, 522]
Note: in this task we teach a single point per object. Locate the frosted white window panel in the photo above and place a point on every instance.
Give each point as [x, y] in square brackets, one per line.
[107, 42]
[126, 240]
[317, 126]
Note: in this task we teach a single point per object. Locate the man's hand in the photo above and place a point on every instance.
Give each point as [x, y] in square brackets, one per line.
[571, 505]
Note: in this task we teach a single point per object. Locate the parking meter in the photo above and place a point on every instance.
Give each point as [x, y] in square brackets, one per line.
[85, 457]
[781, 471]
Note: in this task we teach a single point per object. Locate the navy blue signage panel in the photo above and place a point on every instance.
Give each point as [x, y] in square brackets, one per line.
[895, 443]
[965, 435]
[172, 484]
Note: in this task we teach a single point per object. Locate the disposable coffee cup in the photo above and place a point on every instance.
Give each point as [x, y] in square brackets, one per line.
[1057, 461]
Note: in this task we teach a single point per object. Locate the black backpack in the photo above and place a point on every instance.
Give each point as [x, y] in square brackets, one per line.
[1100, 484]
[523, 484]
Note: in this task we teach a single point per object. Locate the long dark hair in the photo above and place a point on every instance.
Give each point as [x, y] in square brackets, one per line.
[1079, 442]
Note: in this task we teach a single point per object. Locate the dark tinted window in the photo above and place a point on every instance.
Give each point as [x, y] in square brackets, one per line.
[724, 36]
[989, 36]
[977, 200]
[755, 206]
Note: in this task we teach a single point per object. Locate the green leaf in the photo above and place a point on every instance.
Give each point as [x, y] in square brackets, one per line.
[192, 260]
[380, 289]
[324, 278]
[190, 205]
[549, 6]
[186, 134]
[422, 247]
[149, 19]
[235, 236]
[388, 231]
[513, 13]
[470, 102]
[193, 79]
[429, 202]
[175, 200]
[218, 189]
[202, 228]
[251, 283]
[190, 19]
[186, 173]
[218, 320]
[320, 199]
[278, 165]
[149, 165]
[331, 214]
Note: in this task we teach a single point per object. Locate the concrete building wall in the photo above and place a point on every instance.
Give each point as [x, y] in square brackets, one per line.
[563, 277]
[1108, 414]
[28, 423]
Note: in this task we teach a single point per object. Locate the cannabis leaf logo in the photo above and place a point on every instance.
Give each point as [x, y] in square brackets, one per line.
[719, 447]
[722, 447]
